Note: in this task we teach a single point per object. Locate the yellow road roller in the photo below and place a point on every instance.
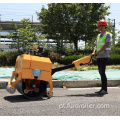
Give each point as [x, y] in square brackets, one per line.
[33, 73]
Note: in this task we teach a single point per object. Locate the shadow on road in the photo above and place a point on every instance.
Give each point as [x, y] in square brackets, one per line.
[20, 98]
[87, 95]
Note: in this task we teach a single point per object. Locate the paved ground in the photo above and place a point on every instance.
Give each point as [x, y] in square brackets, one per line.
[65, 102]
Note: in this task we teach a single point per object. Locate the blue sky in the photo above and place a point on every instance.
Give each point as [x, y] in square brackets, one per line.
[18, 11]
[15, 10]
[115, 13]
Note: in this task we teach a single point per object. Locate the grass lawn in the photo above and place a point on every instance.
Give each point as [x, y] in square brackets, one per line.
[86, 67]
[81, 68]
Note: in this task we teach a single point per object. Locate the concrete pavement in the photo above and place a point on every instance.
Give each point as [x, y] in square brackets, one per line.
[77, 99]
[65, 102]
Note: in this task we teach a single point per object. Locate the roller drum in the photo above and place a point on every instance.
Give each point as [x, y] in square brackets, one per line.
[21, 87]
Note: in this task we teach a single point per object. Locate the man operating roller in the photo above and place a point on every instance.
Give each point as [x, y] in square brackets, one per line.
[102, 51]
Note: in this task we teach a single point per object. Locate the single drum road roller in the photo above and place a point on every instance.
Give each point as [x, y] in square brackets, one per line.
[32, 74]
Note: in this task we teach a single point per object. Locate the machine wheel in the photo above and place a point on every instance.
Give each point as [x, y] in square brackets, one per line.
[32, 94]
[8, 89]
[47, 94]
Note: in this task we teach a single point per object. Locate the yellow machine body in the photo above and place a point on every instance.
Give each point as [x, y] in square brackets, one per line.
[26, 63]
[24, 66]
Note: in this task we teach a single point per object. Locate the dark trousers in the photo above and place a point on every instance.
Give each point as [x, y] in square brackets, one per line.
[102, 62]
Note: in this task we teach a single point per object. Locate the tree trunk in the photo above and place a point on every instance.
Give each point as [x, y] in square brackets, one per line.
[76, 44]
[85, 44]
[18, 46]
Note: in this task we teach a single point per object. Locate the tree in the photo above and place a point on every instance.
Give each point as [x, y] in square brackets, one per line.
[13, 35]
[72, 21]
[25, 36]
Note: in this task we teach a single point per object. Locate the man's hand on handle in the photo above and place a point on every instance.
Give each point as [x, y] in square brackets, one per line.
[94, 54]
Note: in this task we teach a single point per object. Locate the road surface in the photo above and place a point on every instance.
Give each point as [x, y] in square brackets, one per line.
[65, 102]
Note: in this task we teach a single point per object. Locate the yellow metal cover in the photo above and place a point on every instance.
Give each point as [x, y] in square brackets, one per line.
[27, 74]
[26, 61]
[41, 63]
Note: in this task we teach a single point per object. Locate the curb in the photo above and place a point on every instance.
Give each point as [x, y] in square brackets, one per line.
[85, 83]
[72, 84]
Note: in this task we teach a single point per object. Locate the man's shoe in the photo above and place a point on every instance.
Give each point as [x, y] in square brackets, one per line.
[98, 91]
[103, 92]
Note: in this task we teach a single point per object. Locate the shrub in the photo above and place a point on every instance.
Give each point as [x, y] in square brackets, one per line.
[9, 58]
[114, 59]
[115, 50]
[69, 59]
[69, 52]
[55, 57]
[85, 51]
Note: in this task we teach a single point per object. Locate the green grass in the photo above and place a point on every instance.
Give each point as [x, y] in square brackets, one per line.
[7, 66]
[85, 68]
[81, 68]
[93, 67]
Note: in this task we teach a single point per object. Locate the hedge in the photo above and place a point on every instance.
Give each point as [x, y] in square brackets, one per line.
[55, 57]
[8, 58]
[114, 59]
[69, 52]
[115, 50]
[69, 59]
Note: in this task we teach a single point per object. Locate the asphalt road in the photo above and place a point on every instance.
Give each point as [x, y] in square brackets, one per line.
[65, 102]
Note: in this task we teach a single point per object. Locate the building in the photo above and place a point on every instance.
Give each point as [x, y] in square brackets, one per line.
[5, 42]
[6, 26]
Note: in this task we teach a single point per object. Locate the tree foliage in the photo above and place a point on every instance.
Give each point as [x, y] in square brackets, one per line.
[72, 21]
[25, 36]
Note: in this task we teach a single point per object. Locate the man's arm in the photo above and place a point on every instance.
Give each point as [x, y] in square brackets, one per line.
[94, 50]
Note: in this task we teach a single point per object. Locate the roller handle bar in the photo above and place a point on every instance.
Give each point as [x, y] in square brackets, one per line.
[89, 61]
[68, 66]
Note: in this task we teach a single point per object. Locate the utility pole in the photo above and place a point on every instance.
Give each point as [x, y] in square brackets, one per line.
[114, 33]
[0, 30]
[32, 21]
[114, 23]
